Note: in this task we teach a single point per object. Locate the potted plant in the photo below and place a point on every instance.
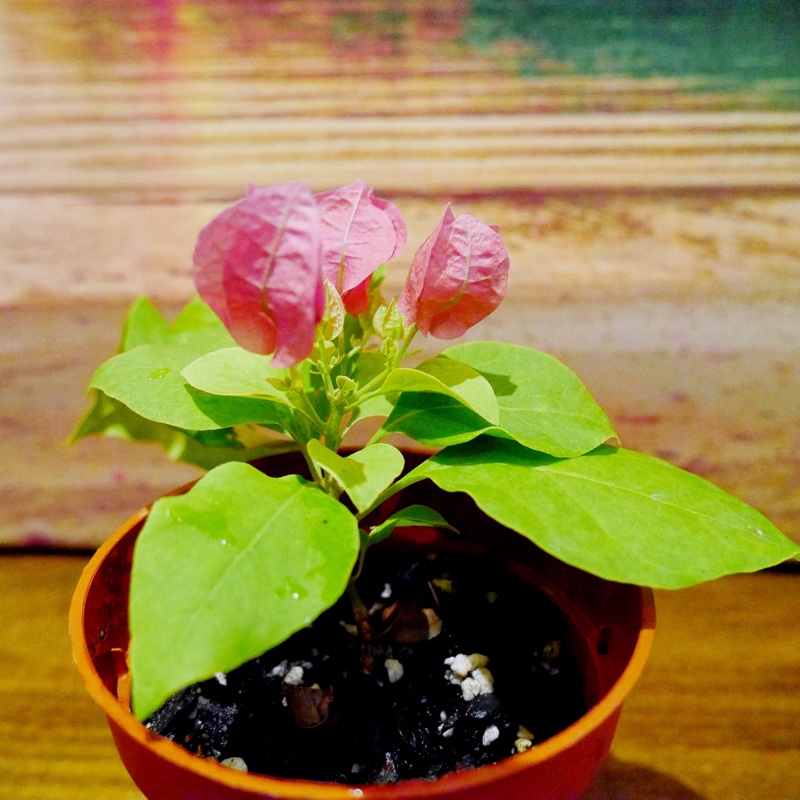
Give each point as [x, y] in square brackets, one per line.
[235, 581]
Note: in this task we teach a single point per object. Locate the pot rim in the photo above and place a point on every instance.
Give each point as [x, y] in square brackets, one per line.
[295, 789]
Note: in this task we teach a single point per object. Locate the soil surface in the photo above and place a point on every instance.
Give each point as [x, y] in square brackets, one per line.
[468, 665]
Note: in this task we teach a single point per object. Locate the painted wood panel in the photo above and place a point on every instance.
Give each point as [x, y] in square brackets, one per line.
[651, 208]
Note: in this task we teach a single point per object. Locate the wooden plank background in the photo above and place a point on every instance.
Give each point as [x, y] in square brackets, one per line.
[652, 222]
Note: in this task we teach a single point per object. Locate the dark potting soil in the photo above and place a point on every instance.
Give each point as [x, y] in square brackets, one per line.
[417, 701]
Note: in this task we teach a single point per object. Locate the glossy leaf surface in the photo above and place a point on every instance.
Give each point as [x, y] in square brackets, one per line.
[199, 326]
[448, 377]
[542, 403]
[148, 380]
[235, 372]
[622, 515]
[434, 420]
[363, 474]
[112, 418]
[228, 570]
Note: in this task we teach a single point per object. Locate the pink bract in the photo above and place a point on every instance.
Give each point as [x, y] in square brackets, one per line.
[258, 265]
[459, 276]
[359, 232]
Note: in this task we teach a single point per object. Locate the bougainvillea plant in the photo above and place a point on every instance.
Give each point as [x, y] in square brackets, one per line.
[290, 346]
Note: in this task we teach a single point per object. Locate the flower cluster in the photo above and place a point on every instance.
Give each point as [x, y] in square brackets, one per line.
[264, 265]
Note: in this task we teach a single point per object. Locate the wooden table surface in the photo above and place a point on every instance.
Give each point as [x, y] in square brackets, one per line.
[654, 230]
[714, 717]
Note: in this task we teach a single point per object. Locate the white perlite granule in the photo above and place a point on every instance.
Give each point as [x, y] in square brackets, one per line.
[461, 665]
[521, 745]
[294, 676]
[491, 734]
[524, 740]
[280, 670]
[394, 669]
[470, 673]
[480, 681]
[234, 762]
[222, 678]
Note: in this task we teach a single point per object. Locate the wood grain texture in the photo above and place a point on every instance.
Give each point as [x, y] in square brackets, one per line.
[715, 716]
[653, 228]
[680, 312]
[652, 223]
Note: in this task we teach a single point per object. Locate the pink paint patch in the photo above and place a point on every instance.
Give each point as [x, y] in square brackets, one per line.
[37, 541]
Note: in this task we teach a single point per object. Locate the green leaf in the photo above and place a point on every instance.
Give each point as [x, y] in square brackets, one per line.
[144, 325]
[228, 570]
[408, 517]
[619, 514]
[542, 403]
[112, 418]
[433, 419]
[196, 325]
[235, 372]
[148, 380]
[448, 377]
[364, 474]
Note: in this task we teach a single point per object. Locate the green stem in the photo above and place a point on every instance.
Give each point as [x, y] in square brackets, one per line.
[372, 389]
[325, 371]
[360, 612]
[412, 332]
[303, 404]
[333, 435]
[315, 473]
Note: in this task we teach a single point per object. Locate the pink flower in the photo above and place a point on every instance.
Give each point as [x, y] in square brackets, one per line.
[258, 265]
[458, 277]
[359, 232]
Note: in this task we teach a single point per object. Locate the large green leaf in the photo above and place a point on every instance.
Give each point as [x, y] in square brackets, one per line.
[112, 418]
[144, 325]
[542, 403]
[434, 420]
[448, 377]
[228, 570]
[148, 380]
[198, 326]
[363, 474]
[619, 514]
[235, 372]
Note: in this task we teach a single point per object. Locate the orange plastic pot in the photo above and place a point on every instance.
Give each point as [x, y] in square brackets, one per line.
[612, 626]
